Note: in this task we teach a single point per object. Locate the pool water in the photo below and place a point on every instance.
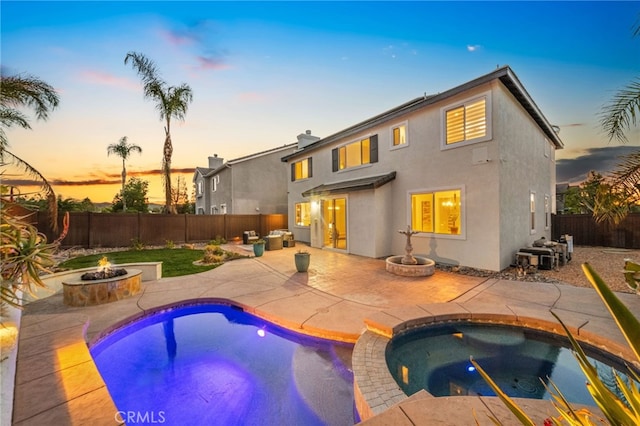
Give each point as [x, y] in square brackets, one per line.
[436, 359]
[214, 364]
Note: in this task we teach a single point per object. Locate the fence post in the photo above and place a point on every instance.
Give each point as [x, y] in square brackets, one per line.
[186, 233]
[89, 230]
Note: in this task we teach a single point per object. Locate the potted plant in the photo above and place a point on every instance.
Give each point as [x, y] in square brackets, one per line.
[258, 247]
[302, 258]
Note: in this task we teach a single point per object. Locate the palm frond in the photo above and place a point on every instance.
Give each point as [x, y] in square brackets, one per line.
[44, 185]
[26, 90]
[145, 67]
[619, 114]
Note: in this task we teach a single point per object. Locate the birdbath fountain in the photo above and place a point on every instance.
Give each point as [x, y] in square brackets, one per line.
[105, 284]
[410, 265]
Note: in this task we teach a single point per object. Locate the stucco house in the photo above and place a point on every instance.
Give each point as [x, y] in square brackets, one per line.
[471, 168]
[251, 184]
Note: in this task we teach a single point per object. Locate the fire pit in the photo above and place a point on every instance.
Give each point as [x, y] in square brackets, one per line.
[104, 285]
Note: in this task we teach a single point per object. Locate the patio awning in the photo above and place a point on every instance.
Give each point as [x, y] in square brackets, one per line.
[350, 185]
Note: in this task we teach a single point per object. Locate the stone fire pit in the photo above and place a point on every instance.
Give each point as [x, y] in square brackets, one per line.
[78, 292]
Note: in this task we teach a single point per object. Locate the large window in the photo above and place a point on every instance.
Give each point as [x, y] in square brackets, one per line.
[303, 214]
[301, 169]
[437, 212]
[467, 122]
[354, 154]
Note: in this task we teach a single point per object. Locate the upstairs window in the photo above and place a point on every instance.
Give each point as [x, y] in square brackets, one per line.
[199, 188]
[467, 122]
[354, 154]
[399, 135]
[301, 169]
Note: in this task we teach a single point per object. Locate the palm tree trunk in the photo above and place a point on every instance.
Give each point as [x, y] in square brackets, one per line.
[124, 179]
[166, 170]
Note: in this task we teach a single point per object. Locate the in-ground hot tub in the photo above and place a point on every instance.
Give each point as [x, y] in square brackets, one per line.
[78, 292]
[521, 361]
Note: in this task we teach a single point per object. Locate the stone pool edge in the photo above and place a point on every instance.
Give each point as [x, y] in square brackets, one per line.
[376, 391]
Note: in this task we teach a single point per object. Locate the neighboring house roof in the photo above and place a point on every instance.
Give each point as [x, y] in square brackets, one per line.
[351, 185]
[203, 171]
[504, 74]
[260, 154]
[208, 172]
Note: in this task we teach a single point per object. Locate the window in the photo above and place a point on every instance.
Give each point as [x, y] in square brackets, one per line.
[199, 188]
[303, 214]
[437, 212]
[467, 122]
[215, 181]
[301, 169]
[547, 211]
[532, 209]
[364, 151]
[399, 135]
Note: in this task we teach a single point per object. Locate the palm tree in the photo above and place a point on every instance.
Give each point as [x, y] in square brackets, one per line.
[171, 101]
[26, 91]
[123, 150]
[622, 193]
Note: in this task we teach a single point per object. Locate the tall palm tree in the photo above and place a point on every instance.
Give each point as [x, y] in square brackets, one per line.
[171, 101]
[618, 116]
[123, 150]
[26, 91]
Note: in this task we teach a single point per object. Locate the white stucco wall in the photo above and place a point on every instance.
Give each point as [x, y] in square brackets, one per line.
[524, 168]
[495, 177]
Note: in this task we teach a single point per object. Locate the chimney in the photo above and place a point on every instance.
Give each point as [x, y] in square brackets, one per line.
[215, 161]
[305, 139]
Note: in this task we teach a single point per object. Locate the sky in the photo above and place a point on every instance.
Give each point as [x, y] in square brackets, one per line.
[263, 72]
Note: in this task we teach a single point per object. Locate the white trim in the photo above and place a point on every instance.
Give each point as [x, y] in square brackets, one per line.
[463, 210]
[404, 124]
[488, 117]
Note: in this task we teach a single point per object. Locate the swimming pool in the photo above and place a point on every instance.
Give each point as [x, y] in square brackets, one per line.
[215, 364]
[436, 359]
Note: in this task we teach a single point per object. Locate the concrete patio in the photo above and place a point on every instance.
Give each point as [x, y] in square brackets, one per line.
[342, 297]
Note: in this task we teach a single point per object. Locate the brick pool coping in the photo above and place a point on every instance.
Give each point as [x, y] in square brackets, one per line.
[377, 392]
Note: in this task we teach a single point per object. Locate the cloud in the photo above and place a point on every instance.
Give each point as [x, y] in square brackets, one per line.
[196, 37]
[106, 179]
[250, 97]
[602, 160]
[210, 63]
[106, 79]
[473, 47]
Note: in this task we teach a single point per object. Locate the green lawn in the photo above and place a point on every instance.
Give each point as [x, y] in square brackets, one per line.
[175, 262]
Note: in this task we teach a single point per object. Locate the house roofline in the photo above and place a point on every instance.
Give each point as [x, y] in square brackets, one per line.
[260, 154]
[505, 74]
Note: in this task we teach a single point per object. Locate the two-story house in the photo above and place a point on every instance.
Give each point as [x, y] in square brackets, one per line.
[471, 168]
[251, 184]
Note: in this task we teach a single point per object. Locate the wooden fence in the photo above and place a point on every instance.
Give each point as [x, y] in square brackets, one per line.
[90, 230]
[586, 232]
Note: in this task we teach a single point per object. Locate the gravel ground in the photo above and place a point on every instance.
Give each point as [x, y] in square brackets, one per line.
[608, 262]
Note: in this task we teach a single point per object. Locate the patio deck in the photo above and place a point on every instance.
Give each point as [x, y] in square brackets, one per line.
[341, 295]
